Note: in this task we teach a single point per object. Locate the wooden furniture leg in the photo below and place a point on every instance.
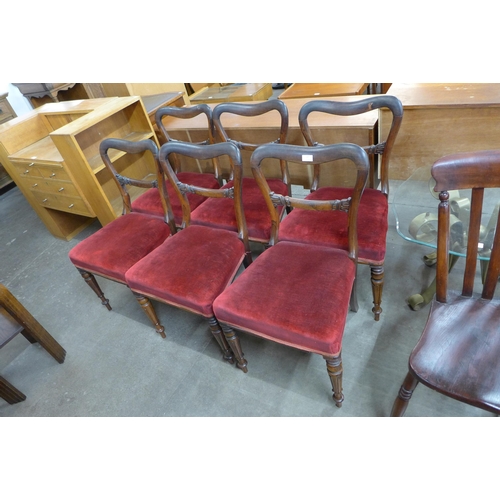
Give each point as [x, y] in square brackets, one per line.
[377, 276]
[10, 393]
[234, 342]
[216, 330]
[148, 308]
[334, 368]
[92, 283]
[405, 393]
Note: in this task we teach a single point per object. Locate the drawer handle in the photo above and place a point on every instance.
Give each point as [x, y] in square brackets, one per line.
[31, 164]
[72, 205]
[53, 174]
[26, 171]
[35, 185]
[61, 189]
[44, 201]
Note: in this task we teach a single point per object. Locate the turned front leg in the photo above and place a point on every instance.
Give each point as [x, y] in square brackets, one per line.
[234, 342]
[148, 308]
[334, 368]
[377, 276]
[216, 330]
[92, 283]
[404, 395]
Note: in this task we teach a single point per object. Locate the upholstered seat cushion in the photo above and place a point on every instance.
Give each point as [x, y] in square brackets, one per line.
[150, 203]
[219, 212]
[116, 247]
[330, 228]
[190, 269]
[293, 293]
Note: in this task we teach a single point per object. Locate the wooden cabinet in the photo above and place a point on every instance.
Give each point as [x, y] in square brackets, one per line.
[6, 114]
[53, 156]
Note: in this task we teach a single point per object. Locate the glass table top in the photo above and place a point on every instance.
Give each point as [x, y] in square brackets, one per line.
[415, 205]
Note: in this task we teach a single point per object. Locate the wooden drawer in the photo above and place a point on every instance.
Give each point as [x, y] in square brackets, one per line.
[6, 113]
[53, 172]
[71, 204]
[58, 187]
[27, 169]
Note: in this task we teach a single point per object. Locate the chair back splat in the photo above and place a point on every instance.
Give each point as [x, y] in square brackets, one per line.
[197, 264]
[299, 294]
[458, 353]
[151, 202]
[113, 249]
[373, 211]
[256, 213]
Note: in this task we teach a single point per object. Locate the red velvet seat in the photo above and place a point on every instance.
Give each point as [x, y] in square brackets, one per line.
[373, 209]
[190, 269]
[458, 353]
[116, 247]
[150, 201]
[299, 294]
[217, 214]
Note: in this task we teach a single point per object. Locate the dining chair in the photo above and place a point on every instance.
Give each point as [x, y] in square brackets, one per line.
[15, 319]
[190, 269]
[213, 213]
[116, 247]
[458, 353]
[299, 294]
[151, 201]
[301, 226]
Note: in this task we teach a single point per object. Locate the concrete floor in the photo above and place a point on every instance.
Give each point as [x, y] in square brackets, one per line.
[117, 365]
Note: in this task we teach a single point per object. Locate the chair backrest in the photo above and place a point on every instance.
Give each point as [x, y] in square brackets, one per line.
[476, 171]
[205, 152]
[305, 155]
[348, 108]
[124, 183]
[187, 113]
[251, 110]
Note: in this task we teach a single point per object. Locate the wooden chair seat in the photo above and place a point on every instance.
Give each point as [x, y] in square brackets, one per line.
[458, 353]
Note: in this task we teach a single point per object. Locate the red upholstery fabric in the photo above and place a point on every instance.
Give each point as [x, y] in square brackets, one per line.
[293, 293]
[115, 248]
[149, 202]
[190, 269]
[330, 228]
[219, 212]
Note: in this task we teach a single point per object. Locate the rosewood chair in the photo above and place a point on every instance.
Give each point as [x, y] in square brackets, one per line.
[190, 269]
[298, 294]
[458, 353]
[116, 247]
[14, 319]
[308, 227]
[213, 213]
[151, 201]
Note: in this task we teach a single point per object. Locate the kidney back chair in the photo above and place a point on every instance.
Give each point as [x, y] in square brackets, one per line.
[308, 227]
[190, 269]
[256, 213]
[116, 247]
[299, 294]
[458, 353]
[151, 201]
[15, 319]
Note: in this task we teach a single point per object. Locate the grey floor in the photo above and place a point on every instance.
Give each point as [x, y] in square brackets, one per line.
[117, 365]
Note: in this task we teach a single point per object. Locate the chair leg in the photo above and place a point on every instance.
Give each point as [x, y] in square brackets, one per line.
[9, 393]
[92, 283]
[377, 276]
[334, 368]
[216, 330]
[148, 308]
[404, 395]
[353, 304]
[234, 342]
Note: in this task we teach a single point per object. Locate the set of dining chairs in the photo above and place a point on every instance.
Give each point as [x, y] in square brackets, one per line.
[187, 240]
